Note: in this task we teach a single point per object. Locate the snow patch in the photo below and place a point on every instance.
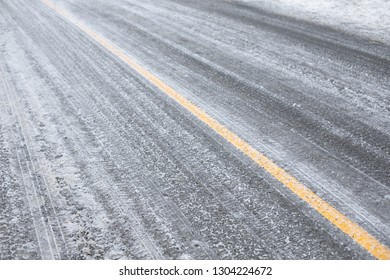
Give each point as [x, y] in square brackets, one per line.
[369, 18]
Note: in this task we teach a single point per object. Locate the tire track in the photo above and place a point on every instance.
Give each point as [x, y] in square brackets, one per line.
[42, 224]
[101, 181]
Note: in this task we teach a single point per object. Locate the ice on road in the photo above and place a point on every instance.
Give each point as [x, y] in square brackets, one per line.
[96, 162]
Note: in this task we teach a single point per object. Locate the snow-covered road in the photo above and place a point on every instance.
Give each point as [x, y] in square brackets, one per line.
[97, 161]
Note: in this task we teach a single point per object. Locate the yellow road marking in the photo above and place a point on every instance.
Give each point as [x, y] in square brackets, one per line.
[352, 229]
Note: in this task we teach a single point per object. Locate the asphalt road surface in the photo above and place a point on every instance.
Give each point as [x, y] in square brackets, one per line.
[130, 130]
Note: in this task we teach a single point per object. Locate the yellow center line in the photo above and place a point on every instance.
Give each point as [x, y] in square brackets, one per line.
[352, 229]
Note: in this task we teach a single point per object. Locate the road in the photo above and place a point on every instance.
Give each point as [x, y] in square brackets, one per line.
[184, 129]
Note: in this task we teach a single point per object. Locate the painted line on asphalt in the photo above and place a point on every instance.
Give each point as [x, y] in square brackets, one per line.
[352, 229]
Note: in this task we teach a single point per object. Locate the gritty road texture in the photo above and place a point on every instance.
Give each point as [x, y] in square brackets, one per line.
[97, 163]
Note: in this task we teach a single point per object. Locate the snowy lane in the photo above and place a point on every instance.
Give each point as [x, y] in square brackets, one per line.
[121, 171]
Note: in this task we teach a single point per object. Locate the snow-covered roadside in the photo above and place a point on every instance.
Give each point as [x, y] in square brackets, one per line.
[369, 18]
